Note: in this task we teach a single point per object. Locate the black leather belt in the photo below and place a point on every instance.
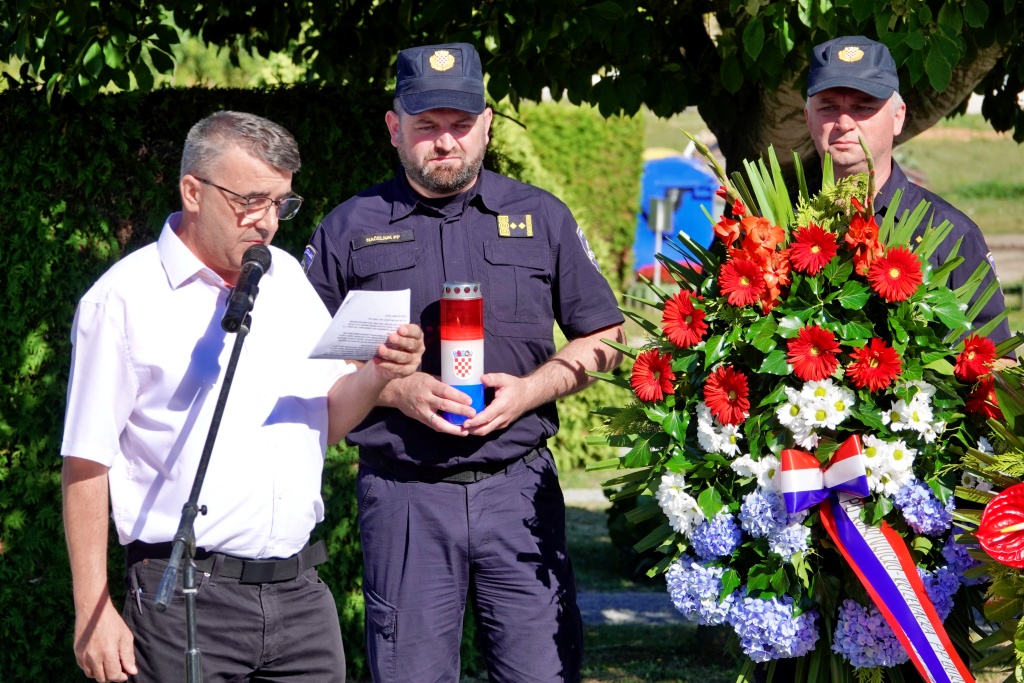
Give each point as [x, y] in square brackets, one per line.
[246, 571]
[404, 471]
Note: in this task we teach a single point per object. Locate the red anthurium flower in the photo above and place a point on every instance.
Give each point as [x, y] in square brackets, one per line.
[983, 401]
[683, 323]
[652, 376]
[811, 249]
[875, 366]
[727, 230]
[742, 281]
[727, 395]
[812, 352]
[1001, 532]
[897, 275]
[976, 359]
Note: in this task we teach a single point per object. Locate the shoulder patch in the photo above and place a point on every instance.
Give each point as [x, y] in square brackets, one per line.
[520, 225]
[383, 238]
[992, 262]
[307, 258]
[586, 248]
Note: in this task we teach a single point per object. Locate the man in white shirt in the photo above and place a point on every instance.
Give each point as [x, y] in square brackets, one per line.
[147, 366]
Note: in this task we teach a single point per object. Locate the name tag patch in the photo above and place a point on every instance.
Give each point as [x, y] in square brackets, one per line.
[515, 225]
[383, 238]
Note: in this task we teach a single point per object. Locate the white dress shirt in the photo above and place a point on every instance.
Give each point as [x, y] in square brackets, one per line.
[147, 365]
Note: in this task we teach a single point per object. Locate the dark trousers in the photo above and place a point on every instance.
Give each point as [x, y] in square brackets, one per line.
[426, 544]
[246, 632]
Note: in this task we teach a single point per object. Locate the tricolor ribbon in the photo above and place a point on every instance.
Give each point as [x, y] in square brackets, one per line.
[877, 555]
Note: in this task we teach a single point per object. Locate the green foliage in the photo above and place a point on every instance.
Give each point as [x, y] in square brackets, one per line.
[85, 186]
[664, 54]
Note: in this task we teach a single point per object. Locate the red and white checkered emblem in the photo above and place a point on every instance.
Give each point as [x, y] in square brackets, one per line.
[462, 362]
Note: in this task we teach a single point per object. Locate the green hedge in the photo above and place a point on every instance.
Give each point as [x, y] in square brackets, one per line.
[85, 186]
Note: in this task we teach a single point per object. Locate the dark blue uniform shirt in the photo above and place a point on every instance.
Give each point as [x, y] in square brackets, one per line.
[535, 268]
[973, 247]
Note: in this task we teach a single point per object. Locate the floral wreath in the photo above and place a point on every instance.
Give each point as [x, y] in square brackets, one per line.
[807, 333]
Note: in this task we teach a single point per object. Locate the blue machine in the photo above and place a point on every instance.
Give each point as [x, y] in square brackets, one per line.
[696, 188]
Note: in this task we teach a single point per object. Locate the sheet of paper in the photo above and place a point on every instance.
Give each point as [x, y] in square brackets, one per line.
[363, 321]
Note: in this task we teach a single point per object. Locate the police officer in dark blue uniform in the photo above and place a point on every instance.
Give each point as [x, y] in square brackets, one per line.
[449, 511]
[853, 92]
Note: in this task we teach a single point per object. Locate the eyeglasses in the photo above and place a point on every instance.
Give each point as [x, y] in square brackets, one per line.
[257, 207]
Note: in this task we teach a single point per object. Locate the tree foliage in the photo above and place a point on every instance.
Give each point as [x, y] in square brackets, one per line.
[739, 61]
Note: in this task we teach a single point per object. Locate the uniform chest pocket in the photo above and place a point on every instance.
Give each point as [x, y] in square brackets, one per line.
[519, 279]
[386, 266]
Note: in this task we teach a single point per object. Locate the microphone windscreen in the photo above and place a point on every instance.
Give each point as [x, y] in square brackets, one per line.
[258, 254]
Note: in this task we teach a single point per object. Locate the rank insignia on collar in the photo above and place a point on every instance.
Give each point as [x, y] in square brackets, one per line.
[515, 226]
[441, 60]
[307, 257]
[851, 54]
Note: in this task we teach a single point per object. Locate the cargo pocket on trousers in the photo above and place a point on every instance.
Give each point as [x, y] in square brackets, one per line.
[381, 636]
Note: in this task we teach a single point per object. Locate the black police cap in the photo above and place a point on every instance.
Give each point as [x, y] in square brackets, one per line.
[853, 62]
[440, 77]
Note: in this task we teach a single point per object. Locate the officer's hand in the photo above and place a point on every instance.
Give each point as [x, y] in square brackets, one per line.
[401, 354]
[104, 647]
[511, 400]
[422, 397]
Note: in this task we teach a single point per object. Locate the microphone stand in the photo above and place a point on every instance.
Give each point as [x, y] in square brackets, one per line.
[184, 537]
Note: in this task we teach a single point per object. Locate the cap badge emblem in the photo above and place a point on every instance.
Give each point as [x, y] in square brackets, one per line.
[441, 60]
[851, 54]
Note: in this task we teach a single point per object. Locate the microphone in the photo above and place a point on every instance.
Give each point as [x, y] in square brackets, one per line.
[255, 262]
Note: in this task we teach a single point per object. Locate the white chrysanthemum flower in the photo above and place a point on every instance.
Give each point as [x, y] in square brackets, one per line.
[971, 481]
[934, 430]
[816, 390]
[806, 438]
[745, 466]
[729, 437]
[918, 417]
[680, 507]
[709, 439]
[902, 456]
[896, 417]
[893, 480]
[788, 413]
[984, 446]
[877, 454]
[769, 476]
[925, 391]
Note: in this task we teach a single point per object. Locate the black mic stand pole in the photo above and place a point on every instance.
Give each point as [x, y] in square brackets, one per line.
[184, 538]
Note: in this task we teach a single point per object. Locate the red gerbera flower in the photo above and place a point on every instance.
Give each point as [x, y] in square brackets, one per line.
[727, 396]
[895, 276]
[813, 353]
[982, 400]
[976, 358]
[652, 376]
[683, 323]
[742, 281]
[875, 366]
[811, 249]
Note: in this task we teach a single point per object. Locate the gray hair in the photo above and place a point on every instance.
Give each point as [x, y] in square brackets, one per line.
[255, 135]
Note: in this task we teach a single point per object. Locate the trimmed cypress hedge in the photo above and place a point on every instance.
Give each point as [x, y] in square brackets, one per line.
[84, 186]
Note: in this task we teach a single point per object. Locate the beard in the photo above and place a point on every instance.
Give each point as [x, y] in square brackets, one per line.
[444, 179]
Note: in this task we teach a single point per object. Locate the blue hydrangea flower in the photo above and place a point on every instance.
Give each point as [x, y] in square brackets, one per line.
[789, 540]
[864, 638]
[959, 560]
[717, 538]
[768, 630]
[940, 587]
[923, 511]
[694, 590]
[762, 513]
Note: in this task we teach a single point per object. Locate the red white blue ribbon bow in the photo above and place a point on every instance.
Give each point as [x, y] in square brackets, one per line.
[805, 484]
[877, 554]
